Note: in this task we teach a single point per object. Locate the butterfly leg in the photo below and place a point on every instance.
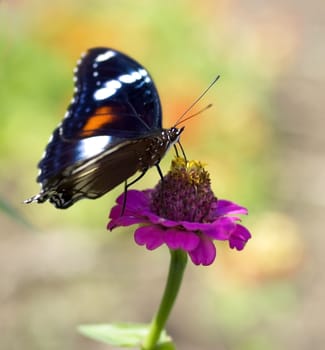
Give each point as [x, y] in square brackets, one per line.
[127, 185]
[183, 152]
[160, 173]
[162, 183]
[176, 151]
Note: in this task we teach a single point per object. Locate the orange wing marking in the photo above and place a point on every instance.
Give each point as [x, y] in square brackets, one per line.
[101, 117]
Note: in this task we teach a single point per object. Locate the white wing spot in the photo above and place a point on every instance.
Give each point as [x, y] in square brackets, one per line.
[50, 138]
[105, 56]
[92, 146]
[126, 78]
[108, 90]
[44, 154]
[143, 72]
[130, 78]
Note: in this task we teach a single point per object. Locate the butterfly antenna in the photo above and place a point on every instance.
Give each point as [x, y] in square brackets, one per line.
[179, 120]
[194, 115]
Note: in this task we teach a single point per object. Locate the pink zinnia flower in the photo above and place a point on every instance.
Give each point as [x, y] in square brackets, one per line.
[183, 213]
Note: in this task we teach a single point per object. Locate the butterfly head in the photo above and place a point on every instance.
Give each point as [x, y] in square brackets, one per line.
[174, 134]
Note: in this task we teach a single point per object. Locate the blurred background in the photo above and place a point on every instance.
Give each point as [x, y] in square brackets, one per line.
[262, 142]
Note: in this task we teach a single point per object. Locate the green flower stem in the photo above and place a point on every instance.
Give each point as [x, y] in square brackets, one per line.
[175, 276]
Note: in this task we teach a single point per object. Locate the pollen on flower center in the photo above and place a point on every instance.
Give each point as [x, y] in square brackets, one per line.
[185, 193]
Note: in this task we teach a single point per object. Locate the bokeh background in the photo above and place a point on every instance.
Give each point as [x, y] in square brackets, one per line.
[262, 141]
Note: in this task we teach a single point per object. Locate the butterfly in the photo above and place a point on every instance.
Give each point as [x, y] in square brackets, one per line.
[111, 130]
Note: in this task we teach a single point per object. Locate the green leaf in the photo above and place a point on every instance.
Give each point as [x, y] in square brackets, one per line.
[124, 335]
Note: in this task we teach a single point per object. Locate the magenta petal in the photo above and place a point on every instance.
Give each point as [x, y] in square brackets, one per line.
[176, 239]
[150, 236]
[155, 219]
[239, 237]
[135, 200]
[225, 207]
[194, 226]
[124, 221]
[117, 210]
[127, 219]
[204, 253]
[221, 229]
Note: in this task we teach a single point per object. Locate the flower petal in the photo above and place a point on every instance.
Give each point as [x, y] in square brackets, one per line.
[194, 226]
[117, 211]
[127, 219]
[177, 239]
[124, 221]
[135, 200]
[239, 237]
[155, 219]
[225, 207]
[150, 236]
[204, 253]
[221, 229]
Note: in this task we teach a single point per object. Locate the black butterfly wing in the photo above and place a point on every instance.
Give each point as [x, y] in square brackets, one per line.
[114, 96]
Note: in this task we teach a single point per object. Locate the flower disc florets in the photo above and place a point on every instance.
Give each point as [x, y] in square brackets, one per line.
[185, 193]
[183, 213]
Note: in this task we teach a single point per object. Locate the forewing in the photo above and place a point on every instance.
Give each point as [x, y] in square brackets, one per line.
[114, 95]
